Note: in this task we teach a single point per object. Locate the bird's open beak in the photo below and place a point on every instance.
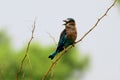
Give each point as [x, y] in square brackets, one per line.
[65, 22]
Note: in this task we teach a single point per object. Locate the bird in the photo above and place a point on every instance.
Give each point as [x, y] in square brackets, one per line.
[67, 36]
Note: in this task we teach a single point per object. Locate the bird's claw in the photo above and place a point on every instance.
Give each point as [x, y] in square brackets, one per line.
[73, 45]
[65, 49]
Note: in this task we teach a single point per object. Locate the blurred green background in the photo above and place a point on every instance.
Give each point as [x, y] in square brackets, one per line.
[72, 62]
[118, 1]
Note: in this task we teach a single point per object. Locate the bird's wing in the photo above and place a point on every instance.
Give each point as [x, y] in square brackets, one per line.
[62, 39]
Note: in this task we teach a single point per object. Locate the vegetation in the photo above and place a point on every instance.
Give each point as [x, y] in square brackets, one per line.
[10, 61]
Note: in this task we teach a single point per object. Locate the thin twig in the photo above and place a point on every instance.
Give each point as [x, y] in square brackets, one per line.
[52, 72]
[26, 53]
[99, 19]
[64, 51]
[52, 38]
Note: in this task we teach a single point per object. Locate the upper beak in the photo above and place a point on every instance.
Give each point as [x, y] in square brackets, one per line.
[64, 21]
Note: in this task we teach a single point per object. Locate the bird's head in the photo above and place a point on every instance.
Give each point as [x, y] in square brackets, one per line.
[69, 22]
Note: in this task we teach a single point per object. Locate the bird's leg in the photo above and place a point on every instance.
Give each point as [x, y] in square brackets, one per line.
[73, 44]
[65, 49]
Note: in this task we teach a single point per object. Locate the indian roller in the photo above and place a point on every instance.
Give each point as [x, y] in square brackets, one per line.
[67, 37]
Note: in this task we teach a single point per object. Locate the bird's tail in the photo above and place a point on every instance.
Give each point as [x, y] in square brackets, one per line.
[53, 55]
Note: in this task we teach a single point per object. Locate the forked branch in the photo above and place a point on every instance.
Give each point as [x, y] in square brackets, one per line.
[26, 53]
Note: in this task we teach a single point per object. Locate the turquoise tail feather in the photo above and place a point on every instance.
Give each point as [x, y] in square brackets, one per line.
[53, 55]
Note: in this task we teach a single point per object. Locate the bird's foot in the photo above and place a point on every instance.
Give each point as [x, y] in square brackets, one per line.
[65, 50]
[73, 45]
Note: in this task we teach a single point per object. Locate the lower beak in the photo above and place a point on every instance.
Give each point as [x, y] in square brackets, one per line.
[64, 24]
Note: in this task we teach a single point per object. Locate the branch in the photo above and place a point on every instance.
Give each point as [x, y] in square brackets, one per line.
[99, 19]
[64, 51]
[26, 53]
[52, 38]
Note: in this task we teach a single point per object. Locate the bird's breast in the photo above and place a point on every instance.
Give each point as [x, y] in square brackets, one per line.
[71, 34]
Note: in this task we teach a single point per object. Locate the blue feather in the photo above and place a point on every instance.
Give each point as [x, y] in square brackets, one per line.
[53, 55]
